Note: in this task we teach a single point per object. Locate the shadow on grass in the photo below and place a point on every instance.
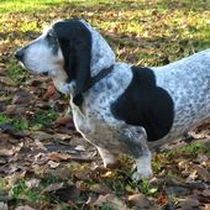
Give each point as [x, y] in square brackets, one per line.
[106, 5]
[103, 5]
[98, 11]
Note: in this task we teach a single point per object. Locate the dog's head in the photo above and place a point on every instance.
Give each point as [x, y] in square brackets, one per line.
[70, 50]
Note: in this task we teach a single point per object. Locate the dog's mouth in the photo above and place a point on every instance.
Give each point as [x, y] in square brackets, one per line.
[46, 73]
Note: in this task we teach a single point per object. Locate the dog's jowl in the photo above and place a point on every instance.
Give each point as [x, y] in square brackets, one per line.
[118, 107]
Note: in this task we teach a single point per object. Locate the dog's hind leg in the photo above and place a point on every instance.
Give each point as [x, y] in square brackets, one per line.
[136, 140]
[109, 159]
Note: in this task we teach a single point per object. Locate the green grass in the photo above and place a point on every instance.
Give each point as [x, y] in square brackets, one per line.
[192, 150]
[24, 6]
[22, 191]
[41, 119]
[19, 124]
[17, 73]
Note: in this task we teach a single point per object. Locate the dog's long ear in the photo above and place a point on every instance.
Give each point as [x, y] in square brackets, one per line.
[75, 42]
[81, 66]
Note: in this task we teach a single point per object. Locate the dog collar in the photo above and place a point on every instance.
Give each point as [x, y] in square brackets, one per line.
[103, 73]
[78, 99]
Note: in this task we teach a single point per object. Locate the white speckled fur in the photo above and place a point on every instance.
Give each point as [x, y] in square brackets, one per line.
[187, 81]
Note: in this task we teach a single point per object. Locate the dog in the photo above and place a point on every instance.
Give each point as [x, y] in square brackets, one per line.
[119, 107]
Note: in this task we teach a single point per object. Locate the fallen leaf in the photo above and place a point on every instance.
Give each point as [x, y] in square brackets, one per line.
[68, 194]
[100, 188]
[52, 187]
[162, 200]
[63, 120]
[113, 201]
[202, 172]
[53, 164]
[206, 193]
[139, 200]
[22, 97]
[189, 204]
[51, 90]
[192, 177]
[206, 207]
[55, 156]
[80, 148]
[15, 109]
[7, 152]
[33, 183]
[7, 81]
[41, 135]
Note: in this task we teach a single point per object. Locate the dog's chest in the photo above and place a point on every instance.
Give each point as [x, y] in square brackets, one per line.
[94, 128]
[94, 120]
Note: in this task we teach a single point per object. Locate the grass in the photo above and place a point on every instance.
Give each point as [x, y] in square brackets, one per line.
[16, 73]
[41, 119]
[21, 191]
[191, 150]
[19, 124]
[24, 6]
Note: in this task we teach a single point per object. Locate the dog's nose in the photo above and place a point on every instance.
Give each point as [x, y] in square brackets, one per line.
[19, 54]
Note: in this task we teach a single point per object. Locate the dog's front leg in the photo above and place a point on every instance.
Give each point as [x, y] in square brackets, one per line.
[136, 140]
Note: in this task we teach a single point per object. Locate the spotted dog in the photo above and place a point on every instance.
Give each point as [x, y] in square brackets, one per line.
[119, 107]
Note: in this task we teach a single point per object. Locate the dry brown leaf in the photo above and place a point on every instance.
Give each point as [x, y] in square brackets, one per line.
[51, 90]
[80, 148]
[22, 97]
[53, 164]
[40, 158]
[7, 81]
[41, 135]
[55, 156]
[63, 120]
[189, 204]
[7, 152]
[15, 109]
[52, 187]
[202, 172]
[100, 188]
[112, 200]
[139, 200]
[192, 177]
[68, 194]
[206, 193]
[2, 69]
[206, 207]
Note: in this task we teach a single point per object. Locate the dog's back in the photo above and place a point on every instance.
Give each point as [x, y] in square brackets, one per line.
[188, 83]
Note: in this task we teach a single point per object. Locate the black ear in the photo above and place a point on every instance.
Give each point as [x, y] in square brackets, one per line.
[75, 42]
[81, 67]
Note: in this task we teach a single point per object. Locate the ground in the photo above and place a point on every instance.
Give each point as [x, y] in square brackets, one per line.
[44, 162]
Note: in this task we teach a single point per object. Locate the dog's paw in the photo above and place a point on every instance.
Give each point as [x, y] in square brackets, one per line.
[137, 176]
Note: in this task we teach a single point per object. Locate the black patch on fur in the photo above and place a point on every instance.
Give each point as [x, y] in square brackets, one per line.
[52, 41]
[75, 42]
[145, 104]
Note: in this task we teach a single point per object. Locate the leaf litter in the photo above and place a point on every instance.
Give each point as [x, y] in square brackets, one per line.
[45, 163]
